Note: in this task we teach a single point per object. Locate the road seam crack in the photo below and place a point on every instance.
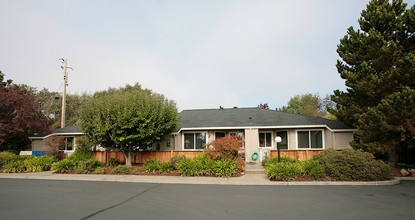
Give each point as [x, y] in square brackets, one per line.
[120, 203]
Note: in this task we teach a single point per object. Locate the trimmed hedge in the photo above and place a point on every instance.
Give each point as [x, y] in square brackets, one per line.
[346, 165]
[353, 165]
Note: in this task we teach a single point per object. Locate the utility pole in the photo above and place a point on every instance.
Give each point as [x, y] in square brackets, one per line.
[65, 83]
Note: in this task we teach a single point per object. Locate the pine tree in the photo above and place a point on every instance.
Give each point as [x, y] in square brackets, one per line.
[378, 65]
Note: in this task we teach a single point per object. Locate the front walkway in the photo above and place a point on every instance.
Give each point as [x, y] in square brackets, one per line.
[254, 168]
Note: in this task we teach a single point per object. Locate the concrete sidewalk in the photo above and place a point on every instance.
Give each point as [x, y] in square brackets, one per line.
[257, 179]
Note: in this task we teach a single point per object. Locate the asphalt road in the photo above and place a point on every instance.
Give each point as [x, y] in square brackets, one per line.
[51, 199]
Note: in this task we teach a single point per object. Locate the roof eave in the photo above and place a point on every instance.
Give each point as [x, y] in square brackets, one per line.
[265, 127]
[54, 134]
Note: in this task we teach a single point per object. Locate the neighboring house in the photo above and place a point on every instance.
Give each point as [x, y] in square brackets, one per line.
[258, 128]
[71, 134]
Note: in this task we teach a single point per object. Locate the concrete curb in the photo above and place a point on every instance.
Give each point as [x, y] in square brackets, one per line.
[245, 180]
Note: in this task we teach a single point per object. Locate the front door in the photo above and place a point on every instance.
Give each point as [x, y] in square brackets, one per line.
[265, 145]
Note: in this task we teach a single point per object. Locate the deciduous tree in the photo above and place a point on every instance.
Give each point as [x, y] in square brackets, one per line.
[51, 104]
[306, 104]
[263, 106]
[20, 116]
[128, 118]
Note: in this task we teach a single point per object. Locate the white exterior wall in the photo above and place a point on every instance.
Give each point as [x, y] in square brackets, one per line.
[292, 142]
[251, 143]
[336, 140]
[341, 140]
[38, 145]
[332, 140]
[178, 142]
[165, 144]
[328, 139]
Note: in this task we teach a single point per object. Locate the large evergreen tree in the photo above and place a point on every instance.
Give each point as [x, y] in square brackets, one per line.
[378, 65]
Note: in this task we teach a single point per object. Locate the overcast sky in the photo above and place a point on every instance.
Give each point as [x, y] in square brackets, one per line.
[201, 54]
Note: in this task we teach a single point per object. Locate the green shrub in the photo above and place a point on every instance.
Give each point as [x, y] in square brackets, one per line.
[99, 170]
[197, 166]
[63, 166]
[353, 165]
[204, 165]
[122, 169]
[282, 159]
[80, 156]
[188, 167]
[175, 159]
[15, 166]
[283, 170]
[6, 157]
[87, 166]
[165, 167]
[151, 166]
[20, 164]
[225, 168]
[39, 164]
[79, 162]
[112, 162]
[313, 169]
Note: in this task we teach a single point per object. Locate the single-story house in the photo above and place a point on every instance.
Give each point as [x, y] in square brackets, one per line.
[258, 128]
[70, 134]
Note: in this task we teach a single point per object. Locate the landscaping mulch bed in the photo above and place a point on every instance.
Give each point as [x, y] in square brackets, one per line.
[139, 170]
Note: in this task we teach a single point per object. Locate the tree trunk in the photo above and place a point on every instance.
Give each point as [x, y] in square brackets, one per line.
[393, 154]
[128, 157]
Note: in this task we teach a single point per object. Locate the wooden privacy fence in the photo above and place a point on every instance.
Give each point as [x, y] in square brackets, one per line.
[296, 154]
[143, 156]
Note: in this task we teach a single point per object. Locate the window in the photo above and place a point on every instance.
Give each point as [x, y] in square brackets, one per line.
[284, 139]
[194, 141]
[69, 142]
[265, 139]
[310, 139]
[219, 134]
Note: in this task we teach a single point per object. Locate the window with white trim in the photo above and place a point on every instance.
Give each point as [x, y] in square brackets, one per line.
[284, 139]
[312, 139]
[194, 141]
[265, 139]
[219, 134]
[68, 143]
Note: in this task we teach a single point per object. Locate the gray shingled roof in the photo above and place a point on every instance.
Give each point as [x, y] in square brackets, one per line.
[65, 130]
[250, 117]
[70, 129]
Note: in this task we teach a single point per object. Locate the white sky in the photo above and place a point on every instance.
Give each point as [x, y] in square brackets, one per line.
[201, 54]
